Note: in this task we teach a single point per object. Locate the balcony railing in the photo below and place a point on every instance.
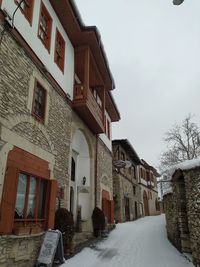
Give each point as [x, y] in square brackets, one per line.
[94, 107]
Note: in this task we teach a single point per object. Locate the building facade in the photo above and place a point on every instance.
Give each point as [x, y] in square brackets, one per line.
[148, 189]
[125, 182]
[56, 111]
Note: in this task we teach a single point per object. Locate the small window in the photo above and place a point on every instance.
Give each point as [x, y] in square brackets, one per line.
[26, 8]
[30, 199]
[108, 129]
[73, 170]
[59, 56]
[39, 102]
[134, 190]
[45, 25]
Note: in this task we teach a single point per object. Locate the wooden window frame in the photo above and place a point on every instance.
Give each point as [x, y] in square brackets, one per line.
[28, 12]
[47, 41]
[59, 56]
[42, 222]
[39, 118]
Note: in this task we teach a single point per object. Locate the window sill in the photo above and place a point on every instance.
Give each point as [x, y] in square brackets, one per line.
[25, 236]
[27, 230]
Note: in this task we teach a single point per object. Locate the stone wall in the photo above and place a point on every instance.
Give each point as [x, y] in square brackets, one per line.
[19, 251]
[19, 128]
[104, 171]
[123, 187]
[171, 214]
[182, 209]
[16, 92]
[192, 185]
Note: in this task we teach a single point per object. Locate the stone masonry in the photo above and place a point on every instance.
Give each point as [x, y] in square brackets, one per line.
[16, 73]
[182, 208]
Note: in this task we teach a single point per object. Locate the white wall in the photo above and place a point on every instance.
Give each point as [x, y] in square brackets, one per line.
[29, 33]
[104, 138]
[80, 146]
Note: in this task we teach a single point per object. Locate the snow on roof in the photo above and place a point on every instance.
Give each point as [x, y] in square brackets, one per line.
[185, 165]
[167, 191]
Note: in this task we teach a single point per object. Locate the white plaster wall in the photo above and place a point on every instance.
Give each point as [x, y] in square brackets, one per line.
[80, 146]
[29, 33]
[104, 138]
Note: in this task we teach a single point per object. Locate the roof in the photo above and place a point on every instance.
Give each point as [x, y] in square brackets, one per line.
[184, 166]
[128, 148]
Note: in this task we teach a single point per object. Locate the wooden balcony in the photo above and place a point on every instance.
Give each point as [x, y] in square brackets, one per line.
[88, 109]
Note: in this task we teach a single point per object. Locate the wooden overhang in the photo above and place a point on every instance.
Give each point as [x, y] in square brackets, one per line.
[150, 168]
[81, 35]
[126, 145]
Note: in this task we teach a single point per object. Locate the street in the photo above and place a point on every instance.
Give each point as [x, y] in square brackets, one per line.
[140, 243]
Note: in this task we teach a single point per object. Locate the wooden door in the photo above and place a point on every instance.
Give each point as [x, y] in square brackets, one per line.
[146, 204]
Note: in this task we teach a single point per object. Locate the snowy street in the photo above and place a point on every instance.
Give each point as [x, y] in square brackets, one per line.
[140, 243]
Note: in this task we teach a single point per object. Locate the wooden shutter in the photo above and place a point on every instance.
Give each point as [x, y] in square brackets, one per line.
[104, 206]
[112, 211]
[52, 204]
[8, 200]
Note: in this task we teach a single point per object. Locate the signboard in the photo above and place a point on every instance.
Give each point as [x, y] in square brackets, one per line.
[52, 249]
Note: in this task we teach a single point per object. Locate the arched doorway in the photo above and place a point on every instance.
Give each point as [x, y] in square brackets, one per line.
[80, 175]
[146, 204]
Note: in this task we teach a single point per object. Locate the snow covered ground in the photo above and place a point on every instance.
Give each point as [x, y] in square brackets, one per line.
[142, 243]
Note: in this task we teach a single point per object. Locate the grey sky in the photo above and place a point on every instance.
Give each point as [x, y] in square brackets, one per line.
[153, 49]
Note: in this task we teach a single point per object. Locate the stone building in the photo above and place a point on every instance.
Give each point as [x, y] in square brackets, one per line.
[182, 209]
[125, 182]
[148, 189]
[56, 111]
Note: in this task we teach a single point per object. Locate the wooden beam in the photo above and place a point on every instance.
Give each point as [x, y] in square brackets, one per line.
[86, 72]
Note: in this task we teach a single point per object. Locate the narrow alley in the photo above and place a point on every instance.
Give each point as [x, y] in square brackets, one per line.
[140, 243]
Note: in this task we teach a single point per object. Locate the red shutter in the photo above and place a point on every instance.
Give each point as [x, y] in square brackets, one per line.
[8, 201]
[104, 205]
[112, 211]
[52, 204]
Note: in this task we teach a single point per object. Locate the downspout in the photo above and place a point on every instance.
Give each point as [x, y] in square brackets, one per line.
[95, 179]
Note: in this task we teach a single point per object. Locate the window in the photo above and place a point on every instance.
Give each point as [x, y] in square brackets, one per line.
[30, 199]
[39, 102]
[45, 25]
[59, 56]
[134, 190]
[73, 170]
[26, 8]
[108, 129]
[122, 156]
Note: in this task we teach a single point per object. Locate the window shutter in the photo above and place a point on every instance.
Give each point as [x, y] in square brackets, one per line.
[112, 211]
[8, 200]
[52, 204]
[104, 206]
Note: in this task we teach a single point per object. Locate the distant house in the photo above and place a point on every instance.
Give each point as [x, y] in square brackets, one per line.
[125, 181]
[56, 115]
[182, 208]
[148, 188]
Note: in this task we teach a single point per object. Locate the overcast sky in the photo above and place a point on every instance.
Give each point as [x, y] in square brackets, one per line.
[153, 50]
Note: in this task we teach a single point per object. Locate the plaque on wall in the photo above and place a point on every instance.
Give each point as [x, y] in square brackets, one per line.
[51, 249]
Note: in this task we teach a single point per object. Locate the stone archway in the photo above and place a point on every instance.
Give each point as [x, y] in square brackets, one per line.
[146, 203]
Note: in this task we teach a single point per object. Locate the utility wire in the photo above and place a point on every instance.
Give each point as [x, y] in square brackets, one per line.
[6, 25]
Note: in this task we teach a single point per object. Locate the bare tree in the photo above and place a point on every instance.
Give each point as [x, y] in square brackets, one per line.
[183, 143]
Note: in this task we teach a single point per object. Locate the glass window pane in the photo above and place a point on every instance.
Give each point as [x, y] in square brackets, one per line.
[31, 198]
[42, 199]
[21, 194]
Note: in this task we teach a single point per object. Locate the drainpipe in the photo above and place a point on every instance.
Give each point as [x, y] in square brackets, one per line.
[95, 179]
